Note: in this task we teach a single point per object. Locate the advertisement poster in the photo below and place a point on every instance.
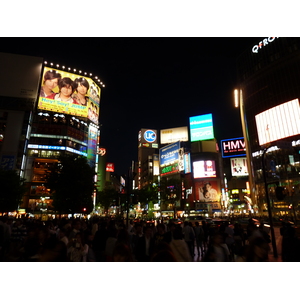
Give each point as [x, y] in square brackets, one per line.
[68, 93]
[239, 166]
[169, 154]
[207, 191]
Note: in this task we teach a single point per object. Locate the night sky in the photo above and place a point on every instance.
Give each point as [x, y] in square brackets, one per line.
[154, 83]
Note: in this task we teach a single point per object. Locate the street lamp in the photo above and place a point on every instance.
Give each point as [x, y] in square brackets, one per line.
[239, 102]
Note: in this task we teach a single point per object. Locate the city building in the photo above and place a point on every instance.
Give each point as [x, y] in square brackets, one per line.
[47, 111]
[269, 90]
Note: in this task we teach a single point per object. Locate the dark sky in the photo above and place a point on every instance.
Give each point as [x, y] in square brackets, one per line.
[154, 83]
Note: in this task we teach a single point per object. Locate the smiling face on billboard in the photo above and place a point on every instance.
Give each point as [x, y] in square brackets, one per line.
[69, 93]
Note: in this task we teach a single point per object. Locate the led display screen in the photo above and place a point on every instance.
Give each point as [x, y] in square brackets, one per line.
[239, 166]
[69, 93]
[201, 128]
[278, 122]
[204, 168]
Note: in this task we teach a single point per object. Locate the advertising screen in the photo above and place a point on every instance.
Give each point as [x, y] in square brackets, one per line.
[201, 128]
[239, 166]
[207, 191]
[92, 145]
[172, 135]
[169, 154]
[204, 168]
[69, 93]
[233, 147]
[278, 122]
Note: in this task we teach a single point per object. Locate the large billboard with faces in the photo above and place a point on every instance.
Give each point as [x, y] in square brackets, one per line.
[278, 122]
[69, 93]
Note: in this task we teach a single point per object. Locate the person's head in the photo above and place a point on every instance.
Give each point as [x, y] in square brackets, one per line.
[218, 239]
[51, 79]
[148, 232]
[66, 87]
[122, 253]
[161, 228]
[81, 85]
[177, 233]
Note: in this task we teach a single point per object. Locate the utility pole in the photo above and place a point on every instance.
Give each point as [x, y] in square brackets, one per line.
[269, 204]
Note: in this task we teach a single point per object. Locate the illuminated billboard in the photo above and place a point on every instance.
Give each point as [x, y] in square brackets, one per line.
[207, 191]
[171, 159]
[239, 166]
[148, 138]
[278, 122]
[233, 147]
[187, 163]
[172, 135]
[169, 154]
[110, 167]
[201, 128]
[204, 169]
[69, 93]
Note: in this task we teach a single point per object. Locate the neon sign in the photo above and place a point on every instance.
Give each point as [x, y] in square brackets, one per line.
[262, 44]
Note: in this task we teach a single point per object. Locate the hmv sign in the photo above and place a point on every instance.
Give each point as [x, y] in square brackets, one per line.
[233, 147]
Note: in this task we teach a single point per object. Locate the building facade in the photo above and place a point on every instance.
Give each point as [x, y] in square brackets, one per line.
[268, 74]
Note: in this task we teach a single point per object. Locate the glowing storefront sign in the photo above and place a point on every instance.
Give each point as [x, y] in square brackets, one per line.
[233, 147]
[148, 138]
[204, 168]
[262, 44]
[201, 128]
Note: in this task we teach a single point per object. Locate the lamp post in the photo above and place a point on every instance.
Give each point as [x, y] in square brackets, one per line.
[269, 203]
[239, 102]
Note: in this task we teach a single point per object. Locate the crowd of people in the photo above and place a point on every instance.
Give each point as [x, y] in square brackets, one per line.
[109, 240]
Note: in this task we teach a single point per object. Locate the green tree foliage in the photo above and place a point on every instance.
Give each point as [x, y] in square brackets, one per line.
[12, 190]
[146, 194]
[72, 183]
[107, 197]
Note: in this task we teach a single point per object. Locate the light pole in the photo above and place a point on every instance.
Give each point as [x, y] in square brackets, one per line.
[239, 102]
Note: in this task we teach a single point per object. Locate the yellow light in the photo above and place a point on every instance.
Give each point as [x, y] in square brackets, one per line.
[236, 98]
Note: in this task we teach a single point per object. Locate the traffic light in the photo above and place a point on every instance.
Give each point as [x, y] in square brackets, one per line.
[279, 192]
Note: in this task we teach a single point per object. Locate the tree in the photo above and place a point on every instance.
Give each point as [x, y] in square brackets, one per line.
[71, 182]
[12, 190]
[106, 197]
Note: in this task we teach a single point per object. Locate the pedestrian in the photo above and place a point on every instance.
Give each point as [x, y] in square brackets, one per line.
[189, 237]
[217, 250]
[199, 237]
[179, 247]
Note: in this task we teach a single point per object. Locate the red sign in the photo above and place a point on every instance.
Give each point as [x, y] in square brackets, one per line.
[110, 167]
